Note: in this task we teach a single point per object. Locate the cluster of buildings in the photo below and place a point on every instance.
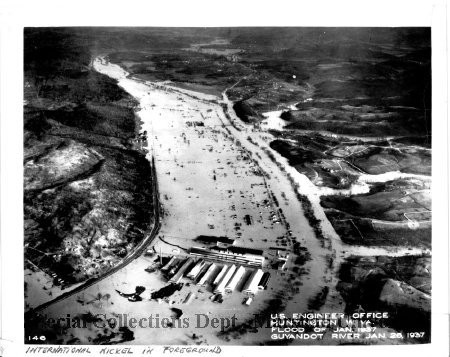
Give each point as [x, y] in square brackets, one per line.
[232, 254]
[222, 266]
[223, 249]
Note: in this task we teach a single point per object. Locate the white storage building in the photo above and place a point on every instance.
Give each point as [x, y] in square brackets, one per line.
[264, 281]
[235, 280]
[251, 286]
[196, 269]
[220, 275]
[207, 276]
[179, 274]
[238, 255]
[224, 281]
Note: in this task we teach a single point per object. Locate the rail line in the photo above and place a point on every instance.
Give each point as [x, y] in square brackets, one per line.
[136, 253]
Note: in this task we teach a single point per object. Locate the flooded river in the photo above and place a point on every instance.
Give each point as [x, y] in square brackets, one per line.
[213, 170]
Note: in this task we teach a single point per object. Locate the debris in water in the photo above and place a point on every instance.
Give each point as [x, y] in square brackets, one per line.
[166, 291]
[177, 313]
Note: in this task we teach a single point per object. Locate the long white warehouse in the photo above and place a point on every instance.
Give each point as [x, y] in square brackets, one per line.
[235, 280]
[179, 274]
[208, 274]
[196, 269]
[238, 255]
[220, 275]
[224, 281]
[251, 286]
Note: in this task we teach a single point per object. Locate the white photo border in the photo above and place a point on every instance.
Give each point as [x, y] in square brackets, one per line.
[15, 15]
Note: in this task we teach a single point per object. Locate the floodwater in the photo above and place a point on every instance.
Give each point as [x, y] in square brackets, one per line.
[210, 176]
[212, 171]
[273, 121]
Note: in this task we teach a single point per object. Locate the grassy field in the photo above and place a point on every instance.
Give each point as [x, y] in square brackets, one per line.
[365, 232]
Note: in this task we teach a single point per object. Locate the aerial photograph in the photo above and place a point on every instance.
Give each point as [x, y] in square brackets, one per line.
[212, 186]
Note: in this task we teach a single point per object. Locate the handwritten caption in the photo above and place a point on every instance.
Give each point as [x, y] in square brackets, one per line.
[121, 351]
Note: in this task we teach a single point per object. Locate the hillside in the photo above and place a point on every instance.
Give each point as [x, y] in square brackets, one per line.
[87, 183]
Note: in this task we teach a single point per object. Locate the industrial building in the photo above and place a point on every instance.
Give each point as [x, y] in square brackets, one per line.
[207, 277]
[235, 280]
[174, 267]
[251, 286]
[241, 255]
[171, 262]
[196, 270]
[220, 275]
[220, 289]
[179, 274]
[264, 281]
